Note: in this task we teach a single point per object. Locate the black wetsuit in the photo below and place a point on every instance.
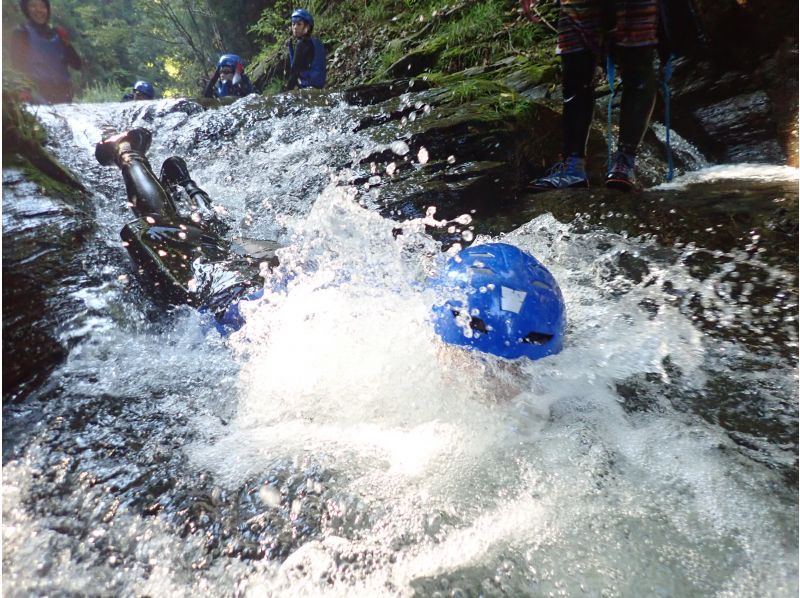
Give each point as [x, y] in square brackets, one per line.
[303, 57]
[180, 259]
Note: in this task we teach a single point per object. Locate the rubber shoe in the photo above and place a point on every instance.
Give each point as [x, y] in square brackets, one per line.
[174, 172]
[621, 175]
[569, 174]
[107, 151]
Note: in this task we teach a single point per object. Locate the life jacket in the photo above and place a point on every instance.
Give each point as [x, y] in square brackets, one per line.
[316, 74]
[46, 58]
[240, 88]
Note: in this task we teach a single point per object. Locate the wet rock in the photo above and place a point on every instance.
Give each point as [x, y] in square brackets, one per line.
[43, 235]
[743, 125]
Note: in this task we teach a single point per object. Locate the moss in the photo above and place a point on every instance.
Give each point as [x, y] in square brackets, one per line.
[489, 98]
[23, 147]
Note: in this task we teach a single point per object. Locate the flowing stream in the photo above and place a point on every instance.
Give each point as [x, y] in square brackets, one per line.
[335, 447]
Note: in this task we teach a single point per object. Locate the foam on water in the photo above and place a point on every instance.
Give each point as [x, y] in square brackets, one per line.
[445, 469]
[733, 172]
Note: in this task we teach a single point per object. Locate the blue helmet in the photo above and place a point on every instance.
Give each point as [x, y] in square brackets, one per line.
[230, 60]
[302, 13]
[144, 88]
[513, 305]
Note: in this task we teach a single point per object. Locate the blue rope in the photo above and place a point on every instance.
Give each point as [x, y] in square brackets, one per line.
[666, 76]
[609, 138]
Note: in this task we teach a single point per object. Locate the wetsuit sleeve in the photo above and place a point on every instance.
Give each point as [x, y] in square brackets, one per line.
[208, 92]
[303, 57]
[72, 57]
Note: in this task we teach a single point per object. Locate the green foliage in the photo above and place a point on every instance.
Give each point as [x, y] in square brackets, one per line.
[502, 100]
[103, 91]
[174, 44]
[171, 43]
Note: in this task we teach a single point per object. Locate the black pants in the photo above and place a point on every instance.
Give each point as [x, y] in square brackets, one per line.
[638, 97]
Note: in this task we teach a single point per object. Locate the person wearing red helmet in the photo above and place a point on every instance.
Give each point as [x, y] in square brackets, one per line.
[44, 54]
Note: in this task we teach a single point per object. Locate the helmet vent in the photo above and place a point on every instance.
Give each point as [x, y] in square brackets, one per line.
[537, 338]
[474, 323]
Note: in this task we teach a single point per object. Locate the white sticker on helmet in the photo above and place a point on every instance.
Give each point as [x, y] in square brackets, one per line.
[511, 300]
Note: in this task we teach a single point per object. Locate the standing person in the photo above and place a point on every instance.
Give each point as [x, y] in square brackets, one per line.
[44, 54]
[307, 66]
[588, 32]
[229, 79]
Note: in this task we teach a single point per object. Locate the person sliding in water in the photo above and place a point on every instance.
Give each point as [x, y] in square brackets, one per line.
[177, 238]
[495, 298]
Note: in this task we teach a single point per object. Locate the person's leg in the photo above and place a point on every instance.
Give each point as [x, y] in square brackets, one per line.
[578, 104]
[579, 42]
[146, 196]
[174, 172]
[639, 88]
[635, 39]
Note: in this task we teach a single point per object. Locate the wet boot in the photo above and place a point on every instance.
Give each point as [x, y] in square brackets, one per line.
[621, 174]
[174, 172]
[570, 173]
[110, 150]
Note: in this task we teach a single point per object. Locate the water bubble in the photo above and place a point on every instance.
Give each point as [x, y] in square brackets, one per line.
[422, 155]
[467, 235]
[451, 159]
[269, 496]
[399, 147]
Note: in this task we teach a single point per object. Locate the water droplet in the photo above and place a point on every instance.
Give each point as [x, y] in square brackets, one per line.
[422, 155]
[399, 147]
[269, 496]
[391, 168]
